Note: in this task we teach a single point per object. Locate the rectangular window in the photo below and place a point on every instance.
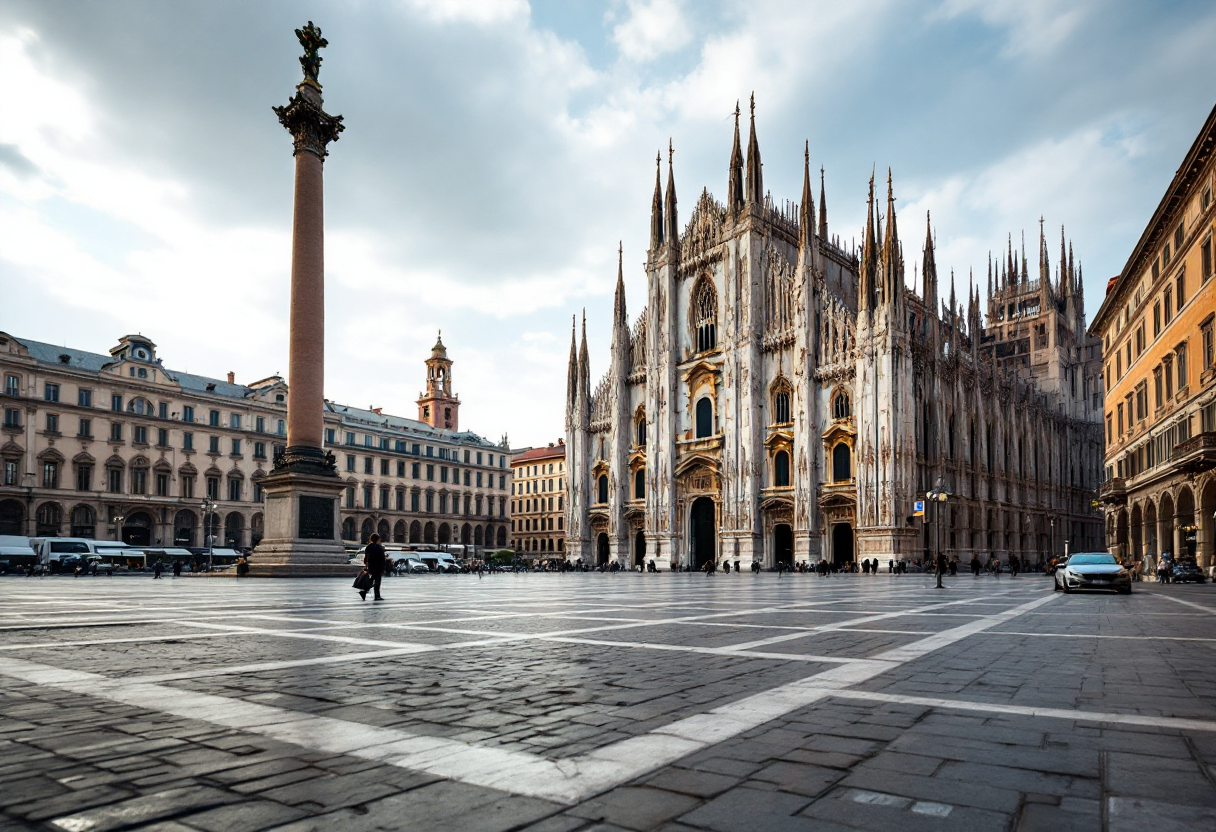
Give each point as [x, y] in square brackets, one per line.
[12, 385]
[141, 435]
[350, 498]
[162, 485]
[259, 424]
[350, 462]
[443, 503]
[257, 492]
[430, 451]
[50, 392]
[116, 403]
[259, 450]
[116, 432]
[213, 445]
[367, 441]
[139, 480]
[1169, 306]
[1205, 270]
[84, 398]
[443, 473]
[114, 480]
[50, 475]
[384, 467]
[329, 436]
[479, 479]
[400, 468]
[12, 417]
[1180, 289]
[414, 470]
[1157, 395]
[234, 490]
[162, 437]
[86, 428]
[400, 501]
[430, 472]
[430, 503]
[367, 496]
[10, 472]
[1165, 255]
[1181, 360]
[1209, 347]
[187, 413]
[1179, 237]
[236, 447]
[52, 423]
[84, 477]
[187, 441]
[1156, 319]
[234, 421]
[350, 438]
[466, 478]
[384, 499]
[367, 464]
[414, 501]
[479, 462]
[213, 488]
[282, 428]
[1119, 418]
[213, 418]
[162, 410]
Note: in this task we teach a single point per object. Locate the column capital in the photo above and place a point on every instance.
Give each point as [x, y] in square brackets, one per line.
[311, 128]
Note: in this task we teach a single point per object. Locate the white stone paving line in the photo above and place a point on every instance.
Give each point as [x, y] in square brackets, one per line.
[1207, 609]
[1002, 709]
[568, 780]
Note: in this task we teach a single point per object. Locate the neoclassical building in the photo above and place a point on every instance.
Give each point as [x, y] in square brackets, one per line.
[117, 446]
[1158, 329]
[782, 398]
[538, 510]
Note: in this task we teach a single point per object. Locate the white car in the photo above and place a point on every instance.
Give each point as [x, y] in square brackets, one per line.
[1093, 570]
[410, 565]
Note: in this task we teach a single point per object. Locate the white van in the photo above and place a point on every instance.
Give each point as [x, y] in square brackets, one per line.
[52, 550]
[439, 561]
[16, 552]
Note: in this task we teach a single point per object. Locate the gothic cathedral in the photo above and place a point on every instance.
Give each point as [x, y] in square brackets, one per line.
[782, 399]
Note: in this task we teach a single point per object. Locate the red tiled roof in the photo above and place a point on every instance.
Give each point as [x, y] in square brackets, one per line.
[550, 452]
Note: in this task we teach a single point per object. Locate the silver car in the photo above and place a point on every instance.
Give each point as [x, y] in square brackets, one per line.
[1093, 570]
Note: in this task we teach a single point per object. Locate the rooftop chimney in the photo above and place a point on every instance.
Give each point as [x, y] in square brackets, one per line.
[231, 377]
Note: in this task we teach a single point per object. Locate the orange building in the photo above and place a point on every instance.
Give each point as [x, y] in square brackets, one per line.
[538, 486]
[1159, 361]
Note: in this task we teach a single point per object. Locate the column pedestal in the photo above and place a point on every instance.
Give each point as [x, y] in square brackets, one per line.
[302, 523]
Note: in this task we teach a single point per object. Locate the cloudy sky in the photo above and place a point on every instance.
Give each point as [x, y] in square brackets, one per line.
[496, 152]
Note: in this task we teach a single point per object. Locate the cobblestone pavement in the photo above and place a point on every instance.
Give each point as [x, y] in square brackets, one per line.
[556, 703]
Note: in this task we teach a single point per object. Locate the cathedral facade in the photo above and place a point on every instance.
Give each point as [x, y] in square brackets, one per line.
[783, 399]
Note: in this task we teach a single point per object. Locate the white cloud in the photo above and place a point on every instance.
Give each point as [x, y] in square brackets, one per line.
[1035, 27]
[653, 28]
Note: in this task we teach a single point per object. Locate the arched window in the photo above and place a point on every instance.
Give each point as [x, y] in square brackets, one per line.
[639, 484]
[842, 408]
[705, 315]
[642, 431]
[781, 407]
[603, 486]
[781, 469]
[842, 463]
[705, 417]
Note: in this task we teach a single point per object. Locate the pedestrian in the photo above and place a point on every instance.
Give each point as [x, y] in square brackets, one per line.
[755, 567]
[156, 570]
[177, 568]
[975, 564]
[1015, 564]
[726, 566]
[373, 561]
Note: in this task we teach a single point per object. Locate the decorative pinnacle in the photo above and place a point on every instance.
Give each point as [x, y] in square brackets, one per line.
[310, 126]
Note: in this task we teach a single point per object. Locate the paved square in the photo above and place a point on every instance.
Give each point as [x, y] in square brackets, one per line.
[579, 702]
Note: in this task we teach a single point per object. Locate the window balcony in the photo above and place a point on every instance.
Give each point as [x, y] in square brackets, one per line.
[1196, 454]
[1114, 491]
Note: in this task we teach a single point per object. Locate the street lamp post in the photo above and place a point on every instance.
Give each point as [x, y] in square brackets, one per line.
[208, 508]
[118, 518]
[29, 478]
[938, 497]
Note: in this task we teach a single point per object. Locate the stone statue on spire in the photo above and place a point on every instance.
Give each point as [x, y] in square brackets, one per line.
[310, 61]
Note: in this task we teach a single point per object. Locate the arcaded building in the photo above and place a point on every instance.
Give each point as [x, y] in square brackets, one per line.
[783, 398]
[1157, 325]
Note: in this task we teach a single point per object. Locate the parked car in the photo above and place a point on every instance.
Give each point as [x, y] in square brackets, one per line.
[1187, 573]
[411, 565]
[1092, 570]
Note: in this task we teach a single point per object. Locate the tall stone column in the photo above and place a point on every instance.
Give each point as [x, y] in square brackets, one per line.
[302, 522]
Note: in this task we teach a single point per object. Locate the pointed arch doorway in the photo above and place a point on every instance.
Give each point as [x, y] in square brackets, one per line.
[703, 543]
[842, 543]
[783, 545]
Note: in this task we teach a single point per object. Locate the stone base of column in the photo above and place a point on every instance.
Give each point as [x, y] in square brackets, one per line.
[302, 526]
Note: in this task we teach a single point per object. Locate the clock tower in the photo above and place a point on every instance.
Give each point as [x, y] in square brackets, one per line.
[438, 406]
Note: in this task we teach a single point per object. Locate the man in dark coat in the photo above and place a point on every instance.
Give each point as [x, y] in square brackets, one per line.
[373, 559]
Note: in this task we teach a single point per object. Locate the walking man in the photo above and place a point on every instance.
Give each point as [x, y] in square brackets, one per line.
[373, 559]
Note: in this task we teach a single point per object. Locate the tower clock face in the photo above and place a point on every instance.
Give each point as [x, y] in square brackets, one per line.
[141, 353]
